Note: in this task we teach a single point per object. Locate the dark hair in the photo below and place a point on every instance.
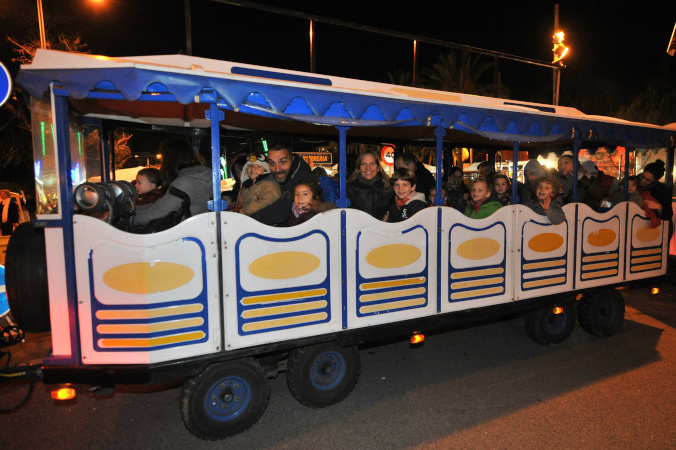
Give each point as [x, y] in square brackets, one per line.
[502, 176]
[320, 172]
[485, 164]
[381, 172]
[553, 180]
[314, 188]
[404, 174]
[152, 174]
[454, 169]
[282, 144]
[177, 154]
[656, 168]
[408, 158]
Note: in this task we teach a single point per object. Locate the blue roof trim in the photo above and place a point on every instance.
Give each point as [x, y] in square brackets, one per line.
[280, 76]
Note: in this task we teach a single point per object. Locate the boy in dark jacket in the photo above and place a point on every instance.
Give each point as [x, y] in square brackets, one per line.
[407, 201]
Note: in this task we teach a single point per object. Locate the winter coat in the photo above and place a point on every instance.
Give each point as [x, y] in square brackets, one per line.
[149, 197]
[554, 212]
[662, 195]
[455, 198]
[317, 208]
[256, 194]
[486, 209]
[195, 181]
[370, 196]
[329, 187]
[412, 206]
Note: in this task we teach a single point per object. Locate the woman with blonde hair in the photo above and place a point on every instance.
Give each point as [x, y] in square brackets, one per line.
[368, 188]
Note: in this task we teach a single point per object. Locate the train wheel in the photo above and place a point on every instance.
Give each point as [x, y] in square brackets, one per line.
[601, 313]
[551, 325]
[225, 399]
[324, 374]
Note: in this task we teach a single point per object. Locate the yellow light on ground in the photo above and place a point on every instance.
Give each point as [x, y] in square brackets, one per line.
[557, 310]
[65, 393]
[417, 338]
[655, 290]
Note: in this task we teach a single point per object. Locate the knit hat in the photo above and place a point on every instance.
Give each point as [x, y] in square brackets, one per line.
[656, 169]
[257, 159]
[591, 167]
[534, 166]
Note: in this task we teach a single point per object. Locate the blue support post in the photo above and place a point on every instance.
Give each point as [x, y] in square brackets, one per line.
[342, 201]
[515, 173]
[215, 115]
[439, 132]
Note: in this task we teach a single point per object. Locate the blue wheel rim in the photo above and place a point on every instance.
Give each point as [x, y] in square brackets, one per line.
[328, 370]
[228, 398]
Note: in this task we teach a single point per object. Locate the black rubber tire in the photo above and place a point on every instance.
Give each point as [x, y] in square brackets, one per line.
[26, 278]
[324, 374]
[545, 327]
[225, 399]
[601, 313]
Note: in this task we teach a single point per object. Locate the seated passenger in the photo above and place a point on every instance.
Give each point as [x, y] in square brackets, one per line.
[601, 185]
[148, 186]
[307, 202]
[444, 196]
[548, 201]
[503, 189]
[632, 190]
[425, 178]
[456, 189]
[329, 186]
[649, 181]
[407, 201]
[186, 182]
[259, 188]
[532, 171]
[565, 175]
[368, 188]
[480, 206]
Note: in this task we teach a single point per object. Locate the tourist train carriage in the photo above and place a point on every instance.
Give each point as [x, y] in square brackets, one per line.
[227, 301]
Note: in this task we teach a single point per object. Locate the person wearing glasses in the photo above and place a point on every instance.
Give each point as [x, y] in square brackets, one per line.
[649, 181]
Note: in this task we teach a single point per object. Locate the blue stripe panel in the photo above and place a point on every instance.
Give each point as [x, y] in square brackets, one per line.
[280, 76]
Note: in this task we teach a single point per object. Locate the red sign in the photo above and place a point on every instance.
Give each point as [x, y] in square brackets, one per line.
[387, 155]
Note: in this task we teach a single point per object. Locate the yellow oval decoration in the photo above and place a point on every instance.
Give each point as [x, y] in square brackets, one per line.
[284, 265]
[545, 242]
[478, 248]
[647, 234]
[147, 277]
[393, 256]
[602, 237]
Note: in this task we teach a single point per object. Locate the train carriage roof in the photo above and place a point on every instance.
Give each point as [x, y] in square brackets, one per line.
[176, 90]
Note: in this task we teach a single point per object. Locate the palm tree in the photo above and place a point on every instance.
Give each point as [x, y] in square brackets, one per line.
[458, 72]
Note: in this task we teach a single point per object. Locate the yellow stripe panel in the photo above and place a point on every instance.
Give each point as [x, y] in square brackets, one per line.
[283, 297]
[121, 314]
[283, 309]
[646, 267]
[477, 273]
[267, 324]
[475, 283]
[391, 294]
[599, 257]
[392, 283]
[651, 251]
[646, 259]
[544, 264]
[603, 273]
[144, 328]
[392, 305]
[477, 293]
[545, 282]
[151, 342]
[599, 265]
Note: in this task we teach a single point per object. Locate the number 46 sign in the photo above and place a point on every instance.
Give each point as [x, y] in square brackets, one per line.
[387, 155]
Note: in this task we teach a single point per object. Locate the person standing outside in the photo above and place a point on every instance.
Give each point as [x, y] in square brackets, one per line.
[10, 213]
[287, 169]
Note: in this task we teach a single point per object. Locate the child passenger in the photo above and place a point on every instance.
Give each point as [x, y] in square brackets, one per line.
[502, 185]
[307, 202]
[407, 201]
[480, 206]
[259, 188]
[148, 186]
[548, 202]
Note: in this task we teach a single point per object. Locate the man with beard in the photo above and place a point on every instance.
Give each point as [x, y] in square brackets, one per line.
[287, 169]
[532, 171]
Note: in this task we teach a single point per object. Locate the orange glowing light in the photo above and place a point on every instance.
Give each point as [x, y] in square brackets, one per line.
[66, 393]
[557, 310]
[417, 338]
[655, 290]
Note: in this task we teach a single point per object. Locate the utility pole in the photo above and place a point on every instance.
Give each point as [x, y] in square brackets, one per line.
[557, 70]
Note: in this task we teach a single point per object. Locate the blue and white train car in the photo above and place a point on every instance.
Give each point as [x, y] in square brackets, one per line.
[225, 301]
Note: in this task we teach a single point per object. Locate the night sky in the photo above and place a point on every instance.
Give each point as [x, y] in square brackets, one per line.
[620, 41]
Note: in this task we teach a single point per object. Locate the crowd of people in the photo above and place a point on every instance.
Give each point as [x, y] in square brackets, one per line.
[281, 189]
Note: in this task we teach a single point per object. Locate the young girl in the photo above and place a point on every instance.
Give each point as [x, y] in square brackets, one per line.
[148, 186]
[407, 201]
[259, 188]
[502, 187]
[632, 190]
[547, 201]
[307, 202]
[479, 206]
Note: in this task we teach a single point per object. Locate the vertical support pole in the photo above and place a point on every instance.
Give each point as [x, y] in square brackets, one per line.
[515, 173]
[342, 201]
[557, 70]
[625, 181]
[668, 179]
[577, 143]
[415, 63]
[439, 132]
[188, 29]
[41, 24]
[215, 116]
[313, 61]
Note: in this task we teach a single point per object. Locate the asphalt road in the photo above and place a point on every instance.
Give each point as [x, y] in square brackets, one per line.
[487, 386]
